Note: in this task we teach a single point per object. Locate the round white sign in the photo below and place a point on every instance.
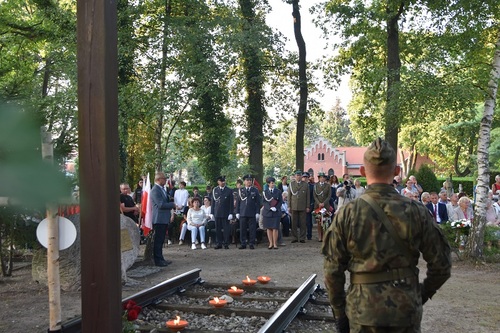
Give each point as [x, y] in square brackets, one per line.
[67, 233]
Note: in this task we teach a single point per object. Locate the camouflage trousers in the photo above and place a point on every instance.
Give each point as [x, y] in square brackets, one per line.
[355, 328]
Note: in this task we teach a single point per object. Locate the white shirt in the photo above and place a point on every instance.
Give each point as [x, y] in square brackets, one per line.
[181, 197]
[207, 211]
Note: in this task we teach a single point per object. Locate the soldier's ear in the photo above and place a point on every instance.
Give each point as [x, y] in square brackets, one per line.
[362, 171]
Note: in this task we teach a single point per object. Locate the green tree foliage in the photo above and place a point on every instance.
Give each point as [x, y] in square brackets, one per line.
[37, 65]
[334, 125]
[427, 179]
[445, 59]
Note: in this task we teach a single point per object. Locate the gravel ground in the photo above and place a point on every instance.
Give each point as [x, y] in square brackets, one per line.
[468, 302]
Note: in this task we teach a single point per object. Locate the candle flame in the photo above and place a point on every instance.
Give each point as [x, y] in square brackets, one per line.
[264, 278]
[177, 320]
[234, 288]
[248, 279]
[216, 299]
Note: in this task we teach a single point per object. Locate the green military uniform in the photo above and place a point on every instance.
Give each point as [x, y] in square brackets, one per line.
[298, 202]
[322, 194]
[384, 294]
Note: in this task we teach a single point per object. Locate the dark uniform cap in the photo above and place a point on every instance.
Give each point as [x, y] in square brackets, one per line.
[306, 174]
[298, 172]
[321, 174]
[221, 178]
[245, 177]
[380, 152]
[270, 180]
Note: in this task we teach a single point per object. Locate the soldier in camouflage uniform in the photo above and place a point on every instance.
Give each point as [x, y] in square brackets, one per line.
[384, 294]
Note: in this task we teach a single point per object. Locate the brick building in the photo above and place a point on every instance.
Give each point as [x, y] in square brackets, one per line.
[321, 156]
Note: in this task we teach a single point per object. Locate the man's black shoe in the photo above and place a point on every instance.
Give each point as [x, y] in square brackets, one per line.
[242, 247]
[302, 241]
[218, 247]
[295, 241]
[226, 247]
[163, 263]
[252, 247]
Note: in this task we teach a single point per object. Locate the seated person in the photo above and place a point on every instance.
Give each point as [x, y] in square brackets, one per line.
[183, 225]
[127, 204]
[195, 221]
[492, 216]
[210, 224]
[285, 216]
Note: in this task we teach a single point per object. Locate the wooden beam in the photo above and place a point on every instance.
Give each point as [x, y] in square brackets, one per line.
[98, 155]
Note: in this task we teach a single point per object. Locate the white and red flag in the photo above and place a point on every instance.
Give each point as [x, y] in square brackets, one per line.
[146, 208]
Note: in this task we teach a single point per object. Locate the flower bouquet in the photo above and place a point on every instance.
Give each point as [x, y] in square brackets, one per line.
[130, 313]
[461, 224]
[462, 227]
[323, 217]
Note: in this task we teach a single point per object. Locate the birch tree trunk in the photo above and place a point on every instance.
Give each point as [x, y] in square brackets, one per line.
[475, 245]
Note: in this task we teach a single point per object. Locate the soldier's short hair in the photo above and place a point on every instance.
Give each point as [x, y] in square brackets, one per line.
[380, 153]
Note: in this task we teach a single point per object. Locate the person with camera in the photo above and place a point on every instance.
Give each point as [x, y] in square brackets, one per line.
[378, 238]
[350, 192]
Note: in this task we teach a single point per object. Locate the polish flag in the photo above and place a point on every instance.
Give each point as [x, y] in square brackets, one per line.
[257, 185]
[146, 208]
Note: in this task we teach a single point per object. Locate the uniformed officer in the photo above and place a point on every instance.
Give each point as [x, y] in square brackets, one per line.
[306, 177]
[223, 212]
[321, 193]
[247, 212]
[378, 238]
[298, 201]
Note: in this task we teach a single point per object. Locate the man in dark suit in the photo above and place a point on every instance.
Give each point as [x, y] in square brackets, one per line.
[306, 177]
[247, 211]
[438, 209]
[161, 214]
[223, 205]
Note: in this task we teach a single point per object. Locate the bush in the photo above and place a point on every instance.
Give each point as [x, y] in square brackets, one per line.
[427, 179]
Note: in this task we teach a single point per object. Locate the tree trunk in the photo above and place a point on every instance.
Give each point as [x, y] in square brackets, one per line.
[475, 242]
[254, 81]
[392, 115]
[160, 110]
[456, 166]
[302, 114]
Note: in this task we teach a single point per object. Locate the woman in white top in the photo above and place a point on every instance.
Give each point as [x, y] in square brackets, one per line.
[492, 216]
[196, 220]
[342, 198]
[463, 211]
[360, 190]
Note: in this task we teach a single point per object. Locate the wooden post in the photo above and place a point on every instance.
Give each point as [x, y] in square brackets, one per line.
[98, 155]
[53, 278]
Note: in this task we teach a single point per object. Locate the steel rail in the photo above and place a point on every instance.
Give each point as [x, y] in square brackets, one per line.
[287, 312]
[148, 296]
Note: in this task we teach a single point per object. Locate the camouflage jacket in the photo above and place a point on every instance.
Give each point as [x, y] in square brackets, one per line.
[357, 241]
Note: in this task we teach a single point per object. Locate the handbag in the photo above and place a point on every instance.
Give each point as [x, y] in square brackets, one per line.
[273, 202]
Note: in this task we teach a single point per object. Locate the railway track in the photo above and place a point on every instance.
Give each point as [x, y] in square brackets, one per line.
[263, 308]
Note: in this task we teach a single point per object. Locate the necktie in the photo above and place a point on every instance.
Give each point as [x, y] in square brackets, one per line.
[435, 212]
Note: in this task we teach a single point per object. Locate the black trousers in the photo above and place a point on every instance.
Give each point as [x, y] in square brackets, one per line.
[247, 222]
[222, 231]
[159, 239]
